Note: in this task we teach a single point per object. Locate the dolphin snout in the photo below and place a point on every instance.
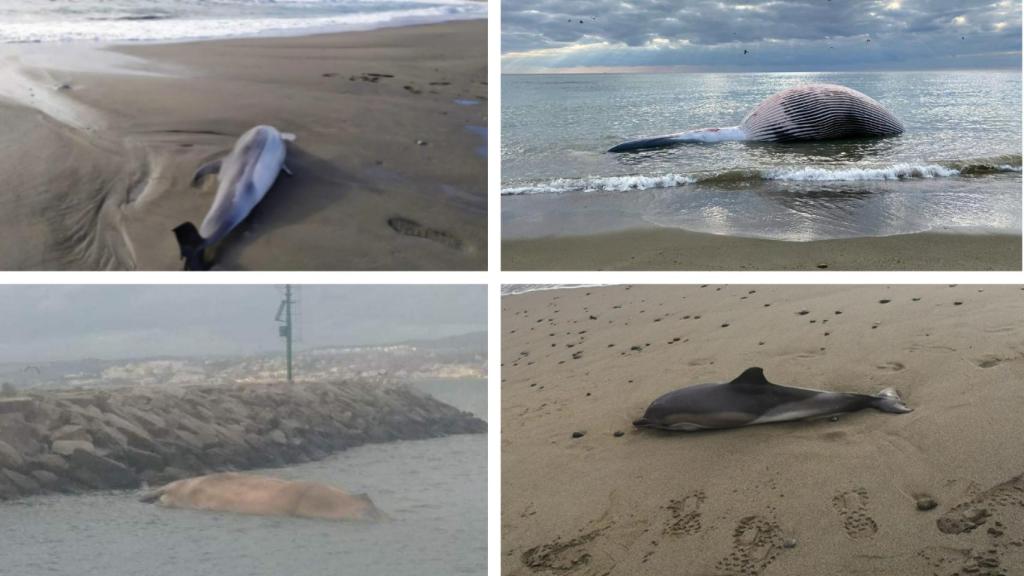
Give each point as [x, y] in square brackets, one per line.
[641, 423]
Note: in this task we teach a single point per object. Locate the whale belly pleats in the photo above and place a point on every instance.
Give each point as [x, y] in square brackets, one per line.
[819, 112]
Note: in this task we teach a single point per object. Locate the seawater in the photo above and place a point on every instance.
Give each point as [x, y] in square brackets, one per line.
[435, 492]
[162, 20]
[957, 168]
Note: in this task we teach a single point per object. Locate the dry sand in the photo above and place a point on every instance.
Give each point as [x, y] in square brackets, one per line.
[668, 249]
[96, 165]
[843, 494]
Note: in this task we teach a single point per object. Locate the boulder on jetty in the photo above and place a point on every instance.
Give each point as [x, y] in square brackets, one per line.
[120, 438]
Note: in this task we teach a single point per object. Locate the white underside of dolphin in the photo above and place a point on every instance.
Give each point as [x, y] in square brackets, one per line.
[244, 176]
[803, 113]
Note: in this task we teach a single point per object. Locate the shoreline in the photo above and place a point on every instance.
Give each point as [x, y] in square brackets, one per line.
[100, 164]
[675, 249]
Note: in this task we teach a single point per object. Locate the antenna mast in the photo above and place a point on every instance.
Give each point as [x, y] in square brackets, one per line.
[286, 331]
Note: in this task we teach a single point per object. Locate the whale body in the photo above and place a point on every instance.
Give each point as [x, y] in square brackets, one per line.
[244, 177]
[265, 496]
[751, 399]
[803, 113]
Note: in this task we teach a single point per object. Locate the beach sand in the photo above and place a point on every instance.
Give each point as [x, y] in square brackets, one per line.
[816, 498]
[673, 249]
[390, 170]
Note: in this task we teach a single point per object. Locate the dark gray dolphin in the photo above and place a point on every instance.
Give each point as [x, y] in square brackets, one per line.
[810, 112]
[244, 176]
[751, 399]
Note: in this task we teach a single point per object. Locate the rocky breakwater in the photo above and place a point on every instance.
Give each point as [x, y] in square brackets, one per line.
[123, 438]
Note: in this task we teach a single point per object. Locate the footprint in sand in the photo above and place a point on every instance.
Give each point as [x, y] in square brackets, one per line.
[891, 366]
[561, 556]
[947, 561]
[756, 542]
[413, 228]
[969, 515]
[685, 514]
[987, 361]
[852, 506]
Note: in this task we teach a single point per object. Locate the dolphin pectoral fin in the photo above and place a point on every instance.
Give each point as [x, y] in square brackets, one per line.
[284, 168]
[212, 167]
[288, 136]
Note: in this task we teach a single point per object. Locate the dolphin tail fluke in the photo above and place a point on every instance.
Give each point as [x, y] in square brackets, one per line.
[192, 246]
[889, 400]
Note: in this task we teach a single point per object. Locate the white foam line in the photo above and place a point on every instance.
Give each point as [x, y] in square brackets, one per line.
[897, 172]
[605, 184]
[197, 28]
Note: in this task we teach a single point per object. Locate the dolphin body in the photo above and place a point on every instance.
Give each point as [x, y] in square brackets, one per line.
[244, 177]
[751, 399]
[264, 496]
[803, 113]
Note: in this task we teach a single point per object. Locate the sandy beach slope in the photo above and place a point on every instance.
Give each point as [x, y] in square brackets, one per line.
[673, 249]
[804, 498]
[390, 166]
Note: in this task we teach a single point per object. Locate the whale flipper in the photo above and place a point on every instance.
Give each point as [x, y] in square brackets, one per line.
[192, 246]
[205, 170]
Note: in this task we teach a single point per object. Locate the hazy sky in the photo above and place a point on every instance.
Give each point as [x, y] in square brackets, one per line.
[811, 35]
[44, 323]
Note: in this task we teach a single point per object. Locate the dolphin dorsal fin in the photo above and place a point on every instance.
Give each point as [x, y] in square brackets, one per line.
[752, 377]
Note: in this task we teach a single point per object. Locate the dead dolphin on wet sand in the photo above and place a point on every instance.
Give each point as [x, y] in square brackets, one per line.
[751, 399]
[265, 496]
[244, 177]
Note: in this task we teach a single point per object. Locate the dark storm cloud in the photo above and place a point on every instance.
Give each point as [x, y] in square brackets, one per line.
[73, 322]
[785, 33]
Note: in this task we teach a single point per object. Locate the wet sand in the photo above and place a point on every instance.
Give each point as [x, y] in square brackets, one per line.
[821, 497]
[673, 249]
[389, 163]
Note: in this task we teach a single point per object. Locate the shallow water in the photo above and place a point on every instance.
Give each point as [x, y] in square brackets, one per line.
[435, 492]
[159, 20]
[956, 168]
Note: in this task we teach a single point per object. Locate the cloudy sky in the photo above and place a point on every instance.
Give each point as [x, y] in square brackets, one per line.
[43, 323]
[782, 35]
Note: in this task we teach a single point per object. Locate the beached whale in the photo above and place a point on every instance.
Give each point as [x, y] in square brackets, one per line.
[751, 399]
[265, 496]
[244, 177]
[810, 112]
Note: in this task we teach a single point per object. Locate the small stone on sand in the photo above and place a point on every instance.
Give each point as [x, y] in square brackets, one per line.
[789, 543]
[925, 503]
[577, 434]
[618, 433]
